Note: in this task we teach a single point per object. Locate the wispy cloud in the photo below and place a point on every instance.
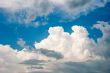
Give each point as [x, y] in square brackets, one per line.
[26, 11]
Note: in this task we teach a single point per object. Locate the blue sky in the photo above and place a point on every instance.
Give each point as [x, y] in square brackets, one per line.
[11, 31]
[42, 31]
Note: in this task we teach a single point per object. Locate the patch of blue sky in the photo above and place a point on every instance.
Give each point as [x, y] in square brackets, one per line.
[11, 32]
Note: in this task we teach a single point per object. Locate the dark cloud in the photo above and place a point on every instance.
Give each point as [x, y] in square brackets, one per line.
[50, 53]
[97, 66]
[77, 3]
[33, 62]
[85, 67]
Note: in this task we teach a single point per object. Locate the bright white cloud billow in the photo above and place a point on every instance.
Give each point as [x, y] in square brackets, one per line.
[26, 11]
[61, 52]
[77, 45]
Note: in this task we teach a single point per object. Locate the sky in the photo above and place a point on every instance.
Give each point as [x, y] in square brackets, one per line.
[49, 36]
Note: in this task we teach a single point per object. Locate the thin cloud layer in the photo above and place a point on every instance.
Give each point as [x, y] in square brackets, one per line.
[61, 52]
[26, 11]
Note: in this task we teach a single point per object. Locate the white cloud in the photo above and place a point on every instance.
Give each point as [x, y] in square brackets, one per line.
[77, 45]
[73, 50]
[75, 8]
[33, 5]
[26, 11]
[73, 46]
[10, 59]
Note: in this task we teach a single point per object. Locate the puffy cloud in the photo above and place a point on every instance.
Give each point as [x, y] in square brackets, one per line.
[72, 46]
[11, 61]
[26, 11]
[61, 52]
[25, 61]
[7, 52]
[77, 45]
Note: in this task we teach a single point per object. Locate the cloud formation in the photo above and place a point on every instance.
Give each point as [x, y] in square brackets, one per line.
[26, 11]
[103, 42]
[13, 61]
[77, 45]
[9, 61]
[62, 52]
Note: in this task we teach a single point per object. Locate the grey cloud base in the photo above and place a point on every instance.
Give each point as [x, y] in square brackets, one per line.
[79, 67]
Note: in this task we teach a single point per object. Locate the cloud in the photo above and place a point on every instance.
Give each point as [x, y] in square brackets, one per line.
[83, 5]
[26, 11]
[103, 42]
[77, 45]
[73, 9]
[61, 52]
[74, 46]
[50, 53]
[80, 67]
[21, 43]
[24, 61]
[9, 61]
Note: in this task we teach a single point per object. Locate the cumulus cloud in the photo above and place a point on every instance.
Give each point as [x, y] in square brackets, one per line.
[11, 61]
[26, 11]
[73, 46]
[61, 52]
[77, 45]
